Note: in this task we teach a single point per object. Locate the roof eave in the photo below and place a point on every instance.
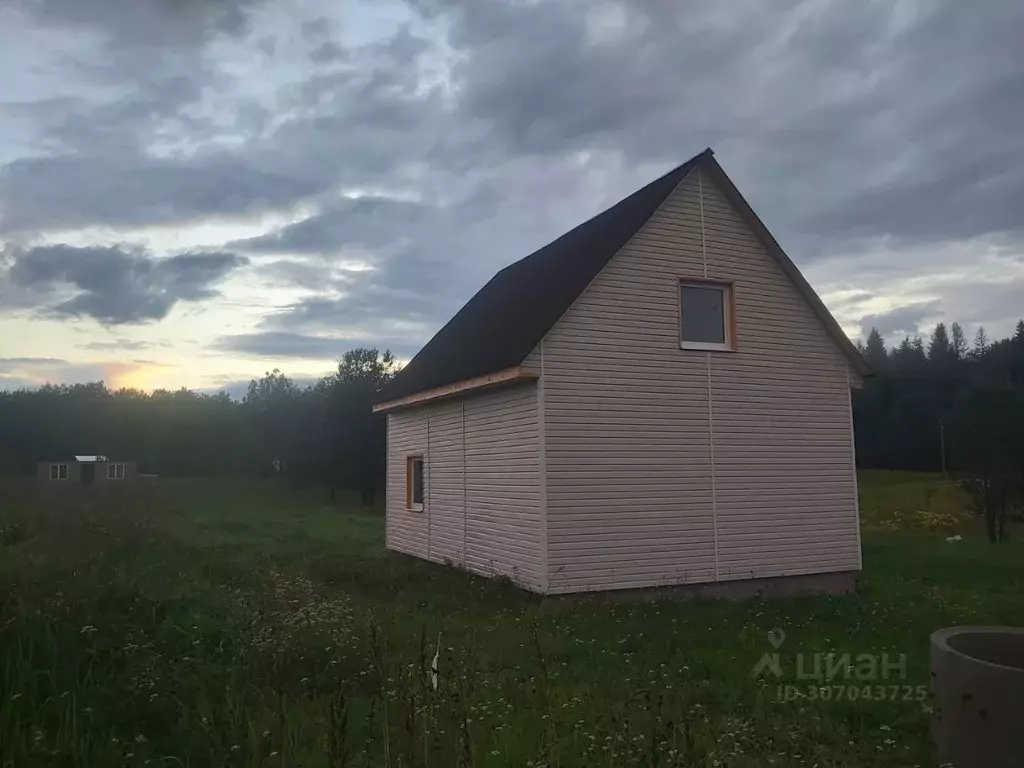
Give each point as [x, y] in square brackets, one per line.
[505, 377]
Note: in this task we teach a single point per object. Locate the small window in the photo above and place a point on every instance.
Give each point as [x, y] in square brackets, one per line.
[58, 471]
[115, 471]
[414, 483]
[705, 316]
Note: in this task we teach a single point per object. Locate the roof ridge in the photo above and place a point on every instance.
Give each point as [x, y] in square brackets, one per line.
[503, 321]
[691, 163]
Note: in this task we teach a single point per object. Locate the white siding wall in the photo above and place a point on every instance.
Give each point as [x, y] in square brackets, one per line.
[445, 486]
[532, 363]
[405, 531]
[784, 480]
[649, 446]
[481, 462]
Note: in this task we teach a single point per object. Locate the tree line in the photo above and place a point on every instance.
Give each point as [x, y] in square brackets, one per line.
[325, 432]
[950, 406]
[947, 404]
[926, 394]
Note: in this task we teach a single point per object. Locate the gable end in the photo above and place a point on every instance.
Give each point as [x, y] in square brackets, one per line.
[506, 319]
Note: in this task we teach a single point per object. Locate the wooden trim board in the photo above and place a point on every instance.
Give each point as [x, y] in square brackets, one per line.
[506, 376]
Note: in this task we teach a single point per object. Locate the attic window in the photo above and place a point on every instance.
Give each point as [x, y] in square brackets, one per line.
[58, 471]
[414, 483]
[706, 316]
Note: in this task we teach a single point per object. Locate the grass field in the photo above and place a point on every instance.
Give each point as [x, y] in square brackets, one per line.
[199, 624]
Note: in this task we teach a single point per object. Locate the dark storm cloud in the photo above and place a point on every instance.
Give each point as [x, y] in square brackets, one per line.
[365, 222]
[145, 67]
[565, 90]
[285, 345]
[395, 303]
[309, 275]
[903, 321]
[118, 345]
[143, 23]
[839, 119]
[349, 128]
[369, 304]
[116, 286]
[92, 162]
[15, 363]
[326, 53]
[845, 125]
[367, 124]
[68, 124]
[408, 277]
[401, 297]
[404, 271]
[135, 191]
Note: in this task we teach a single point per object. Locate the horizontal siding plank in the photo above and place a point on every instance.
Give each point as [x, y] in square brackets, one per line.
[611, 514]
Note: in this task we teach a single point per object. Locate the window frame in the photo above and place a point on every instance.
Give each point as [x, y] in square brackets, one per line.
[58, 469]
[728, 315]
[118, 470]
[410, 490]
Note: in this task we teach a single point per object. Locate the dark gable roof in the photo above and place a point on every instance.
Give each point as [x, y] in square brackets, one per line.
[509, 316]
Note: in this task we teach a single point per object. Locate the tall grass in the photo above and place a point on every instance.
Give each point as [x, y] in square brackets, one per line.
[894, 501]
[200, 624]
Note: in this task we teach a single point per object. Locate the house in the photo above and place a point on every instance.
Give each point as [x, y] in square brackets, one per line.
[656, 398]
[86, 470]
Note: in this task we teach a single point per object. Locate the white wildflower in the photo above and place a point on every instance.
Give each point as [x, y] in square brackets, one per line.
[433, 664]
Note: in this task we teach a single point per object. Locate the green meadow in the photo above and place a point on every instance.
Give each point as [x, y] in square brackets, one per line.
[194, 623]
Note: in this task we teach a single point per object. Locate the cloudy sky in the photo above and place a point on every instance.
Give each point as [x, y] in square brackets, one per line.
[193, 192]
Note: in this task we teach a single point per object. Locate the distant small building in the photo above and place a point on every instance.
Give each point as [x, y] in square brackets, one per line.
[87, 470]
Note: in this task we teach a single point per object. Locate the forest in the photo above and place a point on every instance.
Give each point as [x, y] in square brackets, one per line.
[324, 433]
[942, 404]
[945, 405]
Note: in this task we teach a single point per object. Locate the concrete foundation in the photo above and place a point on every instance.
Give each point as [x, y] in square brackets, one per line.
[838, 583]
